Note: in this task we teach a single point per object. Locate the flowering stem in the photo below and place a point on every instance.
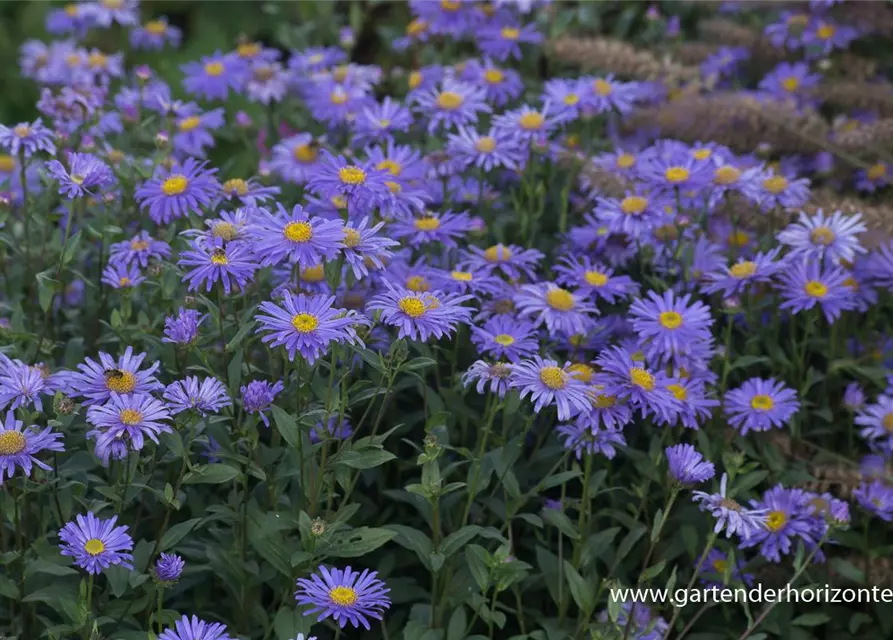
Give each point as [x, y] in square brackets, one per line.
[492, 410]
[27, 221]
[160, 590]
[87, 625]
[711, 540]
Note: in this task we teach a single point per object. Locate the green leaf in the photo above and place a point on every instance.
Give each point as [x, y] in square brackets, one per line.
[561, 522]
[848, 570]
[366, 458]
[287, 425]
[811, 619]
[358, 542]
[72, 248]
[598, 543]
[458, 539]
[458, 622]
[117, 577]
[240, 335]
[211, 474]
[50, 568]
[559, 478]
[289, 623]
[414, 540]
[477, 558]
[630, 540]
[581, 591]
[47, 288]
[653, 571]
[177, 532]
[416, 364]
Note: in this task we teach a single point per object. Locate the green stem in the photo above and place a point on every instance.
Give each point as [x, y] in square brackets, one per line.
[492, 410]
[160, 590]
[711, 540]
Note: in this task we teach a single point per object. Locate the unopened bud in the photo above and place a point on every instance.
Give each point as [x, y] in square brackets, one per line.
[317, 527]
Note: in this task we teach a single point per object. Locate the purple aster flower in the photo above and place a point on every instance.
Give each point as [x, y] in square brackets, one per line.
[123, 423]
[716, 565]
[362, 185]
[526, 123]
[402, 202]
[296, 159]
[745, 273]
[760, 405]
[876, 421]
[316, 59]
[432, 227]
[875, 177]
[609, 94]
[22, 385]
[506, 338]
[624, 377]
[344, 595]
[788, 515]
[854, 397]
[296, 237]
[454, 104]
[214, 76]
[307, 324]
[247, 192]
[379, 121]
[605, 412]
[688, 466]
[267, 82]
[98, 381]
[670, 325]
[816, 236]
[548, 383]
[497, 375]
[204, 396]
[139, 250]
[333, 430]
[403, 162]
[644, 624]
[119, 275]
[96, 544]
[176, 192]
[635, 215]
[419, 316]
[503, 41]
[86, 175]
[258, 395]
[790, 82]
[823, 36]
[187, 628]
[19, 446]
[730, 515]
[724, 62]
[594, 280]
[673, 168]
[183, 328]
[169, 567]
[230, 229]
[473, 282]
[362, 245]
[154, 35]
[694, 404]
[70, 19]
[876, 497]
[806, 284]
[585, 440]
[500, 85]
[566, 97]
[559, 309]
[27, 138]
[210, 263]
[335, 103]
[105, 12]
[193, 130]
[771, 190]
[495, 149]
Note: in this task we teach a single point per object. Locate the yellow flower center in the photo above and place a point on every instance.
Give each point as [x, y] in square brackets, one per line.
[560, 299]
[670, 319]
[531, 121]
[417, 284]
[461, 276]
[603, 401]
[340, 202]
[156, 27]
[412, 306]
[175, 185]
[427, 224]
[553, 377]
[352, 175]
[298, 231]
[22, 131]
[449, 100]
[571, 99]
[826, 31]
[11, 443]
[316, 273]
[342, 596]
[416, 28]
[822, 235]
[738, 238]
[677, 174]
[130, 417]
[851, 283]
[305, 153]
[602, 87]
[776, 520]
[218, 256]
[497, 253]
[415, 79]
[510, 33]
[123, 281]
[625, 160]
[235, 186]
[596, 278]
[702, 154]
[742, 270]
[485, 144]
[94, 546]
[504, 339]
[494, 76]
[7, 163]
[304, 323]
[791, 84]
[726, 175]
[876, 171]
[679, 391]
[139, 245]
[73, 60]
[71, 10]
[450, 5]
[214, 69]
[190, 123]
[338, 97]
[97, 59]
[120, 381]
[340, 73]
[642, 378]
[225, 230]
[393, 187]
[815, 289]
[762, 402]
[633, 205]
[720, 566]
[391, 166]
[248, 49]
[582, 371]
[352, 237]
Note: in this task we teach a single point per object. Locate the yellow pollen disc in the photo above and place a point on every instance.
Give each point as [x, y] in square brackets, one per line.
[342, 596]
[417, 284]
[415, 79]
[123, 281]
[225, 230]
[214, 68]
[461, 276]
[416, 28]
[316, 273]
[338, 97]
[603, 401]
[504, 339]
[720, 566]
[553, 377]
[305, 153]
[22, 131]
[743, 269]
[450, 5]
[572, 141]
[304, 323]
[113, 4]
[75, 178]
[876, 171]
[340, 202]
[670, 319]
[596, 278]
[642, 378]
[826, 31]
[248, 49]
[97, 60]
[815, 289]
[139, 245]
[762, 402]
[156, 27]
[497, 253]
[485, 144]
[71, 10]
[602, 87]
[510, 33]
[190, 123]
[7, 163]
[130, 417]
[73, 60]
[571, 99]
[351, 175]
[625, 160]
[531, 120]
[94, 546]
[384, 123]
[449, 100]
[340, 73]
[702, 154]
[175, 185]
[887, 422]
[738, 238]
[120, 381]
[560, 299]
[11, 443]
[633, 205]
[236, 186]
[427, 224]
[298, 231]
[394, 168]
[822, 235]
[677, 174]
[851, 283]
[493, 76]
[679, 391]
[218, 256]
[582, 371]
[352, 237]
[776, 520]
[393, 187]
[411, 306]
[790, 84]
[115, 156]
[798, 19]
[726, 175]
